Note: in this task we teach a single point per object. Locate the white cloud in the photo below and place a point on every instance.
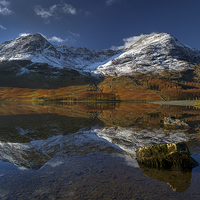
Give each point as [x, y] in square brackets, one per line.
[70, 38]
[110, 2]
[87, 13]
[43, 13]
[4, 7]
[52, 39]
[23, 34]
[54, 10]
[74, 34]
[57, 39]
[2, 27]
[131, 40]
[69, 9]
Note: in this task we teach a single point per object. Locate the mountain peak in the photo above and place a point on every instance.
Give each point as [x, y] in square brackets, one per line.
[27, 47]
[154, 53]
[33, 35]
[34, 39]
[153, 38]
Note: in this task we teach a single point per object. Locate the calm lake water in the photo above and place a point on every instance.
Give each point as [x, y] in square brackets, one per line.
[87, 151]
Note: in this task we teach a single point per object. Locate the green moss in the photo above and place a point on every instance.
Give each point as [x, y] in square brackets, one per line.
[165, 155]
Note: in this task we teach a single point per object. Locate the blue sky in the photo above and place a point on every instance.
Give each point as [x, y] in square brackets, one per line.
[100, 24]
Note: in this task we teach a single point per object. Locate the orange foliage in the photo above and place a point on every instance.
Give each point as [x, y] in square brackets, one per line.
[125, 88]
[174, 91]
[162, 85]
[90, 95]
[112, 88]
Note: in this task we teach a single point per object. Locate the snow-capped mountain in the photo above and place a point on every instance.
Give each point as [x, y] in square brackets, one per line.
[36, 48]
[33, 47]
[154, 53]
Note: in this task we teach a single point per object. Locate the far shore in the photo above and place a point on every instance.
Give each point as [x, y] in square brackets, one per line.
[177, 102]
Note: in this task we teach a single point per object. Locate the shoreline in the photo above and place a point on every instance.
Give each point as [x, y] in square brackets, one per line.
[177, 102]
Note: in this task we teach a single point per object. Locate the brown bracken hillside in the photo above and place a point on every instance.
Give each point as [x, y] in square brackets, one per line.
[137, 88]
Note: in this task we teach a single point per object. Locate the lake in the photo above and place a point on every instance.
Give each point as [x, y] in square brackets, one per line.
[88, 151]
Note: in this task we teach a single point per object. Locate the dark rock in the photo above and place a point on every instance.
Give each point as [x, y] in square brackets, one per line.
[166, 155]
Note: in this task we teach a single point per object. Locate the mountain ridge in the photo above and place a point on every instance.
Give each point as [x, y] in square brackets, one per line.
[36, 48]
[154, 53]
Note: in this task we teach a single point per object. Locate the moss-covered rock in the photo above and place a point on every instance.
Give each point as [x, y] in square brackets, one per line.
[165, 155]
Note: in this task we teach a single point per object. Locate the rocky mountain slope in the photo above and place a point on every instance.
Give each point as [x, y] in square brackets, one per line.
[155, 53]
[37, 49]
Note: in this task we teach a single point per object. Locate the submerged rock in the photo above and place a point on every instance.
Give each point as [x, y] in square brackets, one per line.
[175, 123]
[166, 156]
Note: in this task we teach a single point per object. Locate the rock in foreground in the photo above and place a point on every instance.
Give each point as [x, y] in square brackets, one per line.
[166, 155]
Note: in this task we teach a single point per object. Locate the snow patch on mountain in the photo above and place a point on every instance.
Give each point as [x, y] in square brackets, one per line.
[84, 59]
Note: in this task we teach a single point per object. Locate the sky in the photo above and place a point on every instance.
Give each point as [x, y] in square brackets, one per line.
[100, 24]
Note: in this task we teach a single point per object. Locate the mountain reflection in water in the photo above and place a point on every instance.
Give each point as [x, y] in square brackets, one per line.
[31, 136]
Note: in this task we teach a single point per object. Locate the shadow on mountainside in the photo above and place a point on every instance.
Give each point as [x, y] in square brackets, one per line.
[26, 74]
